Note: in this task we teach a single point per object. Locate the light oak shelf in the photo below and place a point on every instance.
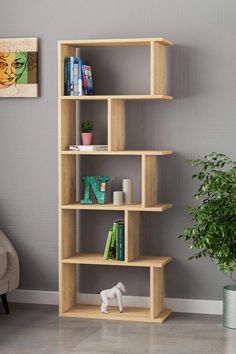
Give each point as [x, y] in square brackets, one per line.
[69, 258]
[131, 207]
[120, 152]
[132, 42]
[135, 314]
[117, 97]
[95, 258]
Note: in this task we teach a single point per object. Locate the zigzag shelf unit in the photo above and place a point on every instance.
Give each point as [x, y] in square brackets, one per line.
[69, 257]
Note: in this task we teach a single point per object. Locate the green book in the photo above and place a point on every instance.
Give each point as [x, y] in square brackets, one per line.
[112, 253]
[108, 244]
[120, 242]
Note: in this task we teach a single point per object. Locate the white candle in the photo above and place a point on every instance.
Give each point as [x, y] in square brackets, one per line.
[127, 190]
[117, 198]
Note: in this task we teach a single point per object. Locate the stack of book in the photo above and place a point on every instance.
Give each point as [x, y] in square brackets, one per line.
[78, 79]
[115, 245]
[88, 147]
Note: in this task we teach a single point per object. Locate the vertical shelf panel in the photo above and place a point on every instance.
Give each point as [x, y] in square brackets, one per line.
[68, 233]
[68, 179]
[156, 291]
[116, 125]
[149, 180]
[68, 123]
[157, 68]
[132, 235]
[67, 298]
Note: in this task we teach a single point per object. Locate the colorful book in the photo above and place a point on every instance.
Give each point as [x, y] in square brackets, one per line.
[76, 77]
[87, 79]
[120, 245]
[81, 62]
[108, 244]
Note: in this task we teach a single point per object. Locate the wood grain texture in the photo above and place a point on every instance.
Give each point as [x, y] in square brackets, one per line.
[116, 125]
[157, 69]
[120, 152]
[124, 42]
[156, 291]
[67, 287]
[132, 232]
[149, 181]
[117, 97]
[135, 314]
[139, 261]
[133, 207]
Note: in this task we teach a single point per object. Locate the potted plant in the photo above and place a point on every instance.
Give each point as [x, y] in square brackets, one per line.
[213, 233]
[87, 132]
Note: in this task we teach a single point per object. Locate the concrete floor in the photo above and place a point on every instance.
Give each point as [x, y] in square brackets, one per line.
[31, 329]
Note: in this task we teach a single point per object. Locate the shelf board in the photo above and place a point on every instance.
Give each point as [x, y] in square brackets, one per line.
[124, 42]
[120, 152]
[129, 314]
[95, 258]
[133, 207]
[117, 97]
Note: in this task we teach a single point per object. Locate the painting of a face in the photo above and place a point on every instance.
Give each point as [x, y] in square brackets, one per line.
[18, 67]
[12, 67]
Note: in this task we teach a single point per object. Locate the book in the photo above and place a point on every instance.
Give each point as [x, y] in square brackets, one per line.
[69, 76]
[120, 244]
[88, 147]
[81, 62]
[112, 250]
[76, 77]
[87, 79]
[108, 244]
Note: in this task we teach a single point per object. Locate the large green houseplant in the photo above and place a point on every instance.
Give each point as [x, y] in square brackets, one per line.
[213, 232]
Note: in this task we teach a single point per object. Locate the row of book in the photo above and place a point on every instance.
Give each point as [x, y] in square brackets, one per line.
[78, 79]
[115, 244]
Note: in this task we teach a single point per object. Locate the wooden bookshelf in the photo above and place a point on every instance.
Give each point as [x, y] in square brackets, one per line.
[69, 257]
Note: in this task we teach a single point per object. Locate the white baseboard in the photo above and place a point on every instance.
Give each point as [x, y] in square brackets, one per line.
[212, 307]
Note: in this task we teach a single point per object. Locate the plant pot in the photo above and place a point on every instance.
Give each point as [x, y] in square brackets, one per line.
[87, 138]
[229, 306]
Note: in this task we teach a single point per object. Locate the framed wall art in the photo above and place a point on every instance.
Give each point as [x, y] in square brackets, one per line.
[18, 67]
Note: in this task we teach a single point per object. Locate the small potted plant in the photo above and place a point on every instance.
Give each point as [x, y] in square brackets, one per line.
[86, 132]
[213, 233]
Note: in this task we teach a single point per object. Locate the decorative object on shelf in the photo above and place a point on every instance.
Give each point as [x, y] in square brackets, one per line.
[87, 132]
[117, 197]
[110, 294]
[18, 67]
[88, 147]
[90, 182]
[213, 231]
[127, 190]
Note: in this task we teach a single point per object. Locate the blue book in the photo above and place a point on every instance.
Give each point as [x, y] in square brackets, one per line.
[66, 78]
[71, 68]
[69, 76]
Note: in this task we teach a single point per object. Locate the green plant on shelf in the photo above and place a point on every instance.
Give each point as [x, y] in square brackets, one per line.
[213, 232]
[86, 126]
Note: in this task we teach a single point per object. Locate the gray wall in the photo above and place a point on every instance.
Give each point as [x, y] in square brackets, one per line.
[201, 119]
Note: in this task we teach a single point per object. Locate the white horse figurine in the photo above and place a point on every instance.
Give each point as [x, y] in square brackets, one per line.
[109, 294]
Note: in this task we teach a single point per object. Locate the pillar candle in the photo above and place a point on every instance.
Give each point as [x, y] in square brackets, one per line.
[117, 198]
[127, 190]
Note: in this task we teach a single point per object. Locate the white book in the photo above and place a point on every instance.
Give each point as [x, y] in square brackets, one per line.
[88, 147]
